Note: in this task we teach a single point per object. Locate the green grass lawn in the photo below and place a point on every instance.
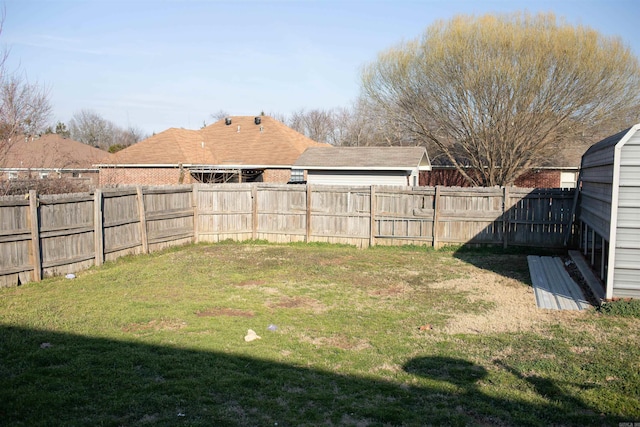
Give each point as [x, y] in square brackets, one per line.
[381, 336]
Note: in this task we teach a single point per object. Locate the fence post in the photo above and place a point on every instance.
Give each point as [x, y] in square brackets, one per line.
[254, 211]
[505, 215]
[372, 212]
[34, 252]
[194, 203]
[143, 220]
[436, 216]
[308, 216]
[98, 232]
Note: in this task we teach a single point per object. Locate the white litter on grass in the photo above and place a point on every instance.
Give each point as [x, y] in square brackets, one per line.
[272, 327]
[45, 345]
[70, 276]
[180, 414]
[251, 336]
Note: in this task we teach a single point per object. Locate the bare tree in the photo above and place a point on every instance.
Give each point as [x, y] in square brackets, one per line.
[499, 93]
[24, 107]
[315, 124]
[128, 136]
[281, 117]
[219, 115]
[89, 127]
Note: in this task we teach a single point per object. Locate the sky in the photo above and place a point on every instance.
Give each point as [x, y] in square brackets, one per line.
[158, 64]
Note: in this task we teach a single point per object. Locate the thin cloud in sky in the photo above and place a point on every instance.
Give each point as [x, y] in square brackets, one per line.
[76, 45]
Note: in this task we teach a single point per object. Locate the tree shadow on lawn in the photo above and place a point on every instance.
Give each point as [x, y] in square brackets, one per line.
[50, 378]
[510, 263]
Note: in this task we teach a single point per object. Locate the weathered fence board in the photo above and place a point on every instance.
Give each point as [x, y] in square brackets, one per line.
[280, 213]
[539, 217]
[340, 215]
[56, 234]
[404, 216]
[224, 212]
[15, 240]
[121, 223]
[168, 216]
[66, 233]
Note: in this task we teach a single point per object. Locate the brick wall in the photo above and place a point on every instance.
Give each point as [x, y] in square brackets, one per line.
[276, 176]
[540, 179]
[144, 176]
[169, 176]
[452, 178]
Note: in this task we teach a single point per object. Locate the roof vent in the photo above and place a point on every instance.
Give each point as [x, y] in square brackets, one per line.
[257, 120]
[238, 128]
[227, 121]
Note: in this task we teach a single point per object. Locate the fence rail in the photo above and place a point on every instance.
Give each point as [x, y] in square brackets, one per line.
[50, 235]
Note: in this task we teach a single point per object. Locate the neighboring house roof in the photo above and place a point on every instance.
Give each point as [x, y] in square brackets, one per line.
[50, 151]
[171, 147]
[241, 143]
[364, 158]
[568, 156]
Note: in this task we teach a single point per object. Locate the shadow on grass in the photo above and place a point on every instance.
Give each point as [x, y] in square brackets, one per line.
[510, 262]
[49, 378]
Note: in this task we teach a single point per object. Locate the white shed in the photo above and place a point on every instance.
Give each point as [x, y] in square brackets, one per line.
[609, 212]
[363, 165]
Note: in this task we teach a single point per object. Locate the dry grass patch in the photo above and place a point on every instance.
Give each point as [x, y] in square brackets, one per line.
[251, 283]
[221, 311]
[300, 302]
[392, 290]
[156, 325]
[511, 306]
[340, 341]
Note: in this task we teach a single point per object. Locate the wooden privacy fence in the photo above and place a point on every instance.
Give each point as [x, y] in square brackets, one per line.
[51, 235]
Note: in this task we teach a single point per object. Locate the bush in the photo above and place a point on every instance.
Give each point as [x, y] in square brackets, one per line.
[44, 186]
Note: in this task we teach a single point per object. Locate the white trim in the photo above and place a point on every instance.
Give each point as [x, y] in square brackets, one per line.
[365, 168]
[560, 168]
[58, 170]
[613, 224]
[190, 165]
[150, 165]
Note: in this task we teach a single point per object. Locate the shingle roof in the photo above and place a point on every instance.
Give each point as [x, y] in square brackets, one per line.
[381, 158]
[50, 151]
[241, 143]
[171, 147]
[569, 155]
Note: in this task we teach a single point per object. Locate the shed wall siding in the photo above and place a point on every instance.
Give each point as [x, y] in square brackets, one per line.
[610, 207]
[626, 281]
[597, 158]
[357, 177]
[631, 153]
[595, 202]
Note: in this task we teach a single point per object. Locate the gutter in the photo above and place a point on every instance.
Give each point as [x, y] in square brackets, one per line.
[362, 168]
[189, 166]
